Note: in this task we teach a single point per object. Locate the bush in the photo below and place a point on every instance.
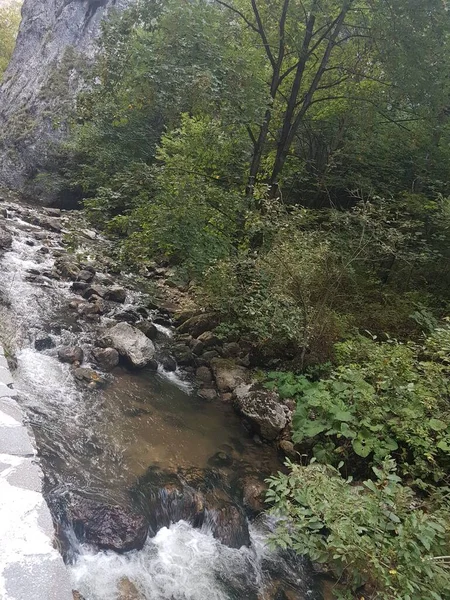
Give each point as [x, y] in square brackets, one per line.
[383, 398]
[376, 534]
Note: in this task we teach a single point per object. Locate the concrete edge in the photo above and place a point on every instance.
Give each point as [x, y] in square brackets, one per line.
[30, 565]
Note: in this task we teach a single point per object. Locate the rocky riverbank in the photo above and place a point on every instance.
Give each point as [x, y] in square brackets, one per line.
[103, 327]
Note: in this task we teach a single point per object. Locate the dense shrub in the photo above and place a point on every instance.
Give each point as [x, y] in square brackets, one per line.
[375, 534]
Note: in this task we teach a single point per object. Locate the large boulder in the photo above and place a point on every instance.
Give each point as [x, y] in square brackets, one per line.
[106, 526]
[262, 409]
[228, 375]
[130, 343]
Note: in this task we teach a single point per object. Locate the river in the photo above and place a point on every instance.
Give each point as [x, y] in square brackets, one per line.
[100, 443]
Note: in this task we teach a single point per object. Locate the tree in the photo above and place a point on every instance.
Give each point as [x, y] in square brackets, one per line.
[322, 51]
[9, 25]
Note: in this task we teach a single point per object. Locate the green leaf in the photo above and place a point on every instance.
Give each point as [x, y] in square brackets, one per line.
[313, 428]
[361, 447]
[437, 425]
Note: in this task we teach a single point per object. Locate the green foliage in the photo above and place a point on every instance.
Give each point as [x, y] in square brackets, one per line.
[9, 25]
[383, 398]
[377, 533]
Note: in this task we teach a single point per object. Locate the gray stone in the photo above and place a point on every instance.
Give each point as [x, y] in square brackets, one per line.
[90, 377]
[262, 409]
[116, 294]
[227, 374]
[86, 276]
[148, 329]
[70, 354]
[199, 324]
[209, 339]
[130, 343]
[106, 358]
[204, 375]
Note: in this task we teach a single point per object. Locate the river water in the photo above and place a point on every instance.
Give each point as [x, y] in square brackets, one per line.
[100, 443]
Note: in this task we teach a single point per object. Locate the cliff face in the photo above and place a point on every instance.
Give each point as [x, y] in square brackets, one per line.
[55, 43]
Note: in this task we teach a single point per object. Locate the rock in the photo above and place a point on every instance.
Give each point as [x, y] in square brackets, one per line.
[86, 275]
[199, 324]
[92, 308]
[165, 499]
[90, 377]
[106, 358]
[226, 397]
[204, 375]
[67, 268]
[227, 374]
[163, 321]
[77, 595]
[184, 315]
[30, 242]
[127, 590]
[116, 294]
[95, 290]
[208, 394]
[209, 339]
[220, 459]
[287, 448]
[197, 347]
[130, 343]
[43, 341]
[70, 354]
[148, 329]
[183, 355]
[106, 526]
[44, 250]
[254, 493]
[5, 238]
[50, 223]
[169, 363]
[262, 409]
[79, 286]
[74, 304]
[231, 350]
[53, 212]
[89, 233]
[229, 525]
[128, 316]
[209, 355]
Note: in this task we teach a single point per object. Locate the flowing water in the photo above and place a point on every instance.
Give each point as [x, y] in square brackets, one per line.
[101, 442]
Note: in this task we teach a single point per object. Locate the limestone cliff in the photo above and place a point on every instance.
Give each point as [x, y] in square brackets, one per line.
[56, 41]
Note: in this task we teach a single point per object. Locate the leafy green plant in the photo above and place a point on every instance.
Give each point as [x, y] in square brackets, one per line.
[384, 398]
[376, 534]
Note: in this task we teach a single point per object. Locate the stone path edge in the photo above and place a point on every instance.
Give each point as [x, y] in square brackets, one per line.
[30, 566]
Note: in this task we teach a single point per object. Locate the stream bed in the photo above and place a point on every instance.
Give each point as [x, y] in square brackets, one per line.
[140, 441]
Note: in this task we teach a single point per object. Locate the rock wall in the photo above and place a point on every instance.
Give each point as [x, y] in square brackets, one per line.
[56, 42]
